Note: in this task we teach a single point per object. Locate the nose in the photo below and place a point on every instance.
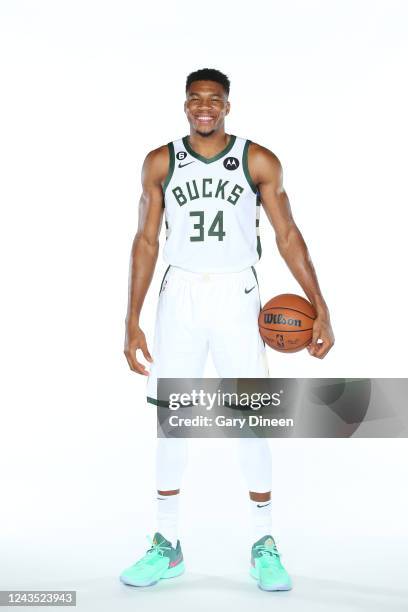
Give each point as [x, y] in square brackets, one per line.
[204, 105]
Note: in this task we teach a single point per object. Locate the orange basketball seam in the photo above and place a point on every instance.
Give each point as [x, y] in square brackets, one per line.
[287, 308]
[286, 331]
[285, 350]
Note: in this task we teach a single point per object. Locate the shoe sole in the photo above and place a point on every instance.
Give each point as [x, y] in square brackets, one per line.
[279, 587]
[171, 572]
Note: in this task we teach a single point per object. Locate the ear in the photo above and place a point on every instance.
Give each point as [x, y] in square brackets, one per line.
[228, 108]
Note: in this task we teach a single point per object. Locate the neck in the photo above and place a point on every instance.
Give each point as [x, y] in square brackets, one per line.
[208, 144]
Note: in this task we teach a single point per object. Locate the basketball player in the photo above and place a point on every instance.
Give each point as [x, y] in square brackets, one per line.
[210, 186]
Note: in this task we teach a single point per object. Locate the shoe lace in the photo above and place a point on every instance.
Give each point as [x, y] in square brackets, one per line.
[156, 550]
[268, 552]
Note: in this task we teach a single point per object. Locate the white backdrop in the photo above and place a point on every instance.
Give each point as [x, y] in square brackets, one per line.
[88, 88]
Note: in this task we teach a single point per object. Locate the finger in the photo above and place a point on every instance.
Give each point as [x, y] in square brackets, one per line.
[321, 350]
[312, 347]
[315, 336]
[134, 364]
[131, 361]
[141, 368]
[146, 352]
[328, 346]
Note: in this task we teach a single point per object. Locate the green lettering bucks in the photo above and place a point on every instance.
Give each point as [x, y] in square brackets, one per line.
[207, 194]
[201, 188]
[235, 193]
[195, 195]
[179, 195]
[220, 189]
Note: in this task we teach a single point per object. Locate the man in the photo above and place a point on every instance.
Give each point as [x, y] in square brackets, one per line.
[210, 185]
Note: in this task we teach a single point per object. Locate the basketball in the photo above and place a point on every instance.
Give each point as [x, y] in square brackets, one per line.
[286, 323]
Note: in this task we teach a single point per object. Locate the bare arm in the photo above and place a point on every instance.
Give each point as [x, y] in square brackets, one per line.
[266, 172]
[144, 253]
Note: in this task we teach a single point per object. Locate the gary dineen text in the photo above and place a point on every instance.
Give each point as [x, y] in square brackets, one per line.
[251, 420]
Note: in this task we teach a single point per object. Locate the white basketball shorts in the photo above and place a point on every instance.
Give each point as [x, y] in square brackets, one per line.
[200, 313]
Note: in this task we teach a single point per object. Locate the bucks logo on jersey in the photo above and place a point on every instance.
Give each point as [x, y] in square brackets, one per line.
[211, 208]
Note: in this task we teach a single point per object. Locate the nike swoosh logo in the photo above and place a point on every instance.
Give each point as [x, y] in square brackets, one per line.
[263, 506]
[182, 165]
[176, 562]
[249, 290]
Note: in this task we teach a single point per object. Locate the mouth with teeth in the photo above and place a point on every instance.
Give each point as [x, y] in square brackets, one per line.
[204, 119]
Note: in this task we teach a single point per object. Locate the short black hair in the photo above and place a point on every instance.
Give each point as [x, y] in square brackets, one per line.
[209, 74]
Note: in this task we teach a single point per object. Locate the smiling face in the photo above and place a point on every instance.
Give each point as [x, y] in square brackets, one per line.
[206, 106]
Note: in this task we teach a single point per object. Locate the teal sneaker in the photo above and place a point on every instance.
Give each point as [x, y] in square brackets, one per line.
[266, 567]
[160, 561]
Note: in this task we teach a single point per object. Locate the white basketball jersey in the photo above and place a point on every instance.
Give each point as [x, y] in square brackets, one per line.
[211, 209]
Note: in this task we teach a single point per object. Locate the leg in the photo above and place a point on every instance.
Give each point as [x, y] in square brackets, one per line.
[238, 351]
[180, 350]
[171, 461]
[255, 459]
[266, 567]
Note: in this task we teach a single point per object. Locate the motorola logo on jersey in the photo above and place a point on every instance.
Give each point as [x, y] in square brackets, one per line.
[181, 155]
[279, 319]
[231, 163]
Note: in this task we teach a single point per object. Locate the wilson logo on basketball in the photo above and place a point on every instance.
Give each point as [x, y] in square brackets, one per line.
[279, 319]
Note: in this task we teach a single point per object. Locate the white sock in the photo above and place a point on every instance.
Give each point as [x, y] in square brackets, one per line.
[261, 513]
[167, 516]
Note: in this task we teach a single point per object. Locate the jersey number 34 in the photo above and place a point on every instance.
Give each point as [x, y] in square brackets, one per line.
[216, 228]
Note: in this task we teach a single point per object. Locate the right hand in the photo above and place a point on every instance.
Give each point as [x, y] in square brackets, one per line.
[135, 339]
